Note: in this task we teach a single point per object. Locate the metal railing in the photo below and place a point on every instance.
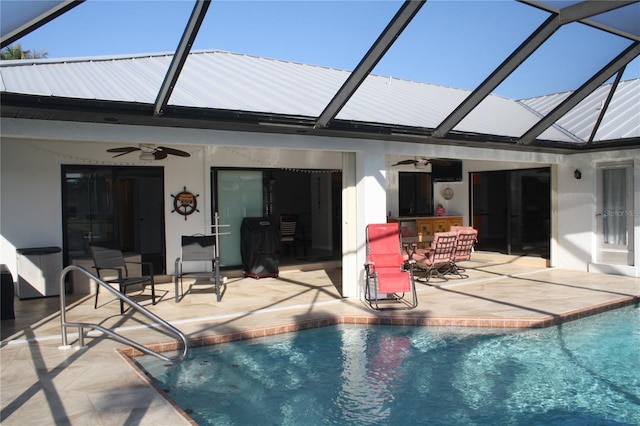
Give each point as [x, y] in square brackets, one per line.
[81, 326]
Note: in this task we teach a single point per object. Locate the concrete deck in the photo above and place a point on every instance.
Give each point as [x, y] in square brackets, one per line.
[42, 384]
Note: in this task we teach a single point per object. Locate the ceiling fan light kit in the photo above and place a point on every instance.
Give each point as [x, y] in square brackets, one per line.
[420, 163]
[147, 156]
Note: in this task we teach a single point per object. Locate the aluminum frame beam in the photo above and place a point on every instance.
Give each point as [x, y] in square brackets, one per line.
[180, 57]
[629, 54]
[606, 104]
[37, 22]
[398, 23]
[565, 16]
[544, 5]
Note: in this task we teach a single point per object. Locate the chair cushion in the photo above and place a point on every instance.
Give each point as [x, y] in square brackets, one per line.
[393, 280]
[464, 244]
[198, 247]
[387, 260]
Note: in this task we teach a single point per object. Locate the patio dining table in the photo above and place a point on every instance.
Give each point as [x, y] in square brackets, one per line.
[423, 242]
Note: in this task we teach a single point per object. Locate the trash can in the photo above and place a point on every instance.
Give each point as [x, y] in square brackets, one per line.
[7, 295]
[38, 270]
[259, 247]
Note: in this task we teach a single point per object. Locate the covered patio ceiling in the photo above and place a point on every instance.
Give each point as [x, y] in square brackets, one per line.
[616, 17]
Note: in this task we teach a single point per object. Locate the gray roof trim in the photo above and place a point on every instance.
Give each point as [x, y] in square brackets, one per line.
[405, 14]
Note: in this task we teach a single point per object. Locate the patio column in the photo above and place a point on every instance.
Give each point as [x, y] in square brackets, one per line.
[364, 202]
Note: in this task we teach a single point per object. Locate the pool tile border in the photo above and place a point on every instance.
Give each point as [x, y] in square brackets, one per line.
[385, 318]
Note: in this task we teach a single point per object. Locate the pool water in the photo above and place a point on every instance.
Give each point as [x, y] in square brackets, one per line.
[585, 372]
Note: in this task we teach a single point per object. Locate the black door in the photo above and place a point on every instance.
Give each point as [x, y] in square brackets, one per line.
[125, 204]
[512, 211]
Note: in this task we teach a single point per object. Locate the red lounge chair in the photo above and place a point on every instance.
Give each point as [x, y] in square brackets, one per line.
[389, 277]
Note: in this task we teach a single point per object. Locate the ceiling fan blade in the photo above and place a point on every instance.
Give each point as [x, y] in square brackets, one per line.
[160, 154]
[174, 151]
[123, 150]
[406, 162]
[424, 161]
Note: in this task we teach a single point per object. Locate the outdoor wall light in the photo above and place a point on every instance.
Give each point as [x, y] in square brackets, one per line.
[577, 174]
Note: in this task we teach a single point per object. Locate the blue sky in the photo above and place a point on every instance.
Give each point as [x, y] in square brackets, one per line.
[450, 42]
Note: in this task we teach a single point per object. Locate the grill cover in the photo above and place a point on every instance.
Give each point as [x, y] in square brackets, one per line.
[259, 247]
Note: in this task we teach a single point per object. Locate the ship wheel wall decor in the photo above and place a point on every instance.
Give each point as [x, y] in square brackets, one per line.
[185, 203]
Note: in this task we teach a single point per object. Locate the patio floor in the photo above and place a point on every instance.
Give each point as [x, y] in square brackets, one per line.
[42, 384]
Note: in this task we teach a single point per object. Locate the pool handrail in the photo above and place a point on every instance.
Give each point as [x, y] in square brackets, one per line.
[113, 334]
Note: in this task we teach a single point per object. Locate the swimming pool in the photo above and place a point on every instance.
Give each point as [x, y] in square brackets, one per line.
[581, 372]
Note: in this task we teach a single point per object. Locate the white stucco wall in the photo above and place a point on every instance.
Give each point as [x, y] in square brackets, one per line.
[31, 201]
[374, 185]
[32, 152]
[577, 206]
[575, 228]
[30, 209]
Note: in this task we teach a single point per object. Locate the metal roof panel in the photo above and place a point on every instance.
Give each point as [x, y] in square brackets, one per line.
[229, 81]
[621, 120]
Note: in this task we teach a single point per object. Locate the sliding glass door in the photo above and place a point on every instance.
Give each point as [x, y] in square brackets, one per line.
[512, 211]
[314, 197]
[123, 204]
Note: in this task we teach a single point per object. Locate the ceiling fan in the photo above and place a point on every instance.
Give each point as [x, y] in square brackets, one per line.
[422, 162]
[149, 151]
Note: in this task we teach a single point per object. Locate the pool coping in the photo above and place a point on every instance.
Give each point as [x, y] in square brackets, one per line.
[385, 318]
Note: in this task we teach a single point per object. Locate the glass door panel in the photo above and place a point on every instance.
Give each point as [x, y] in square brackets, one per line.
[614, 229]
[89, 214]
[530, 212]
[614, 222]
[239, 195]
[490, 209]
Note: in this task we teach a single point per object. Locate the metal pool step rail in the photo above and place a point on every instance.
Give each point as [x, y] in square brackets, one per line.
[81, 326]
